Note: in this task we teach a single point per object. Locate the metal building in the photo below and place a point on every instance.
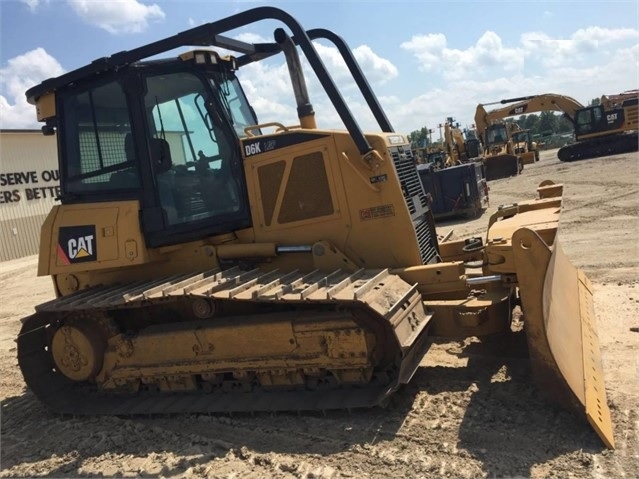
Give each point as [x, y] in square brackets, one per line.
[29, 184]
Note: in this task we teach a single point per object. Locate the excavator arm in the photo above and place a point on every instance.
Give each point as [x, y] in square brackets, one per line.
[524, 106]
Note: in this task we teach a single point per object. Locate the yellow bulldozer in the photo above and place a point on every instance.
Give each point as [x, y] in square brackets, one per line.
[204, 262]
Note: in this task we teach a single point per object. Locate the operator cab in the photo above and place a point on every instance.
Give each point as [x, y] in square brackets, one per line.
[164, 132]
[496, 134]
[594, 119]
[588, 119]
[523, 141]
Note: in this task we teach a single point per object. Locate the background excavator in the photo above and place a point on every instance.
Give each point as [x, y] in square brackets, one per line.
[204, 263]
[605, 129]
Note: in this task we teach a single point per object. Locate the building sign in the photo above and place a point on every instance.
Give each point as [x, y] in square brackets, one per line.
[31, 185]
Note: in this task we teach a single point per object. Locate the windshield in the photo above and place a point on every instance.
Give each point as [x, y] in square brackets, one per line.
[496, 134]
[232, 96]
[586, 118]
[521, 136]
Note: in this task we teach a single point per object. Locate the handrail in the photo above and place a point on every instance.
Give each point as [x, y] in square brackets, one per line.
[209, 34]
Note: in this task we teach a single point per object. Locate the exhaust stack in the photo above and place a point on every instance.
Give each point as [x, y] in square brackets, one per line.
[304, 108]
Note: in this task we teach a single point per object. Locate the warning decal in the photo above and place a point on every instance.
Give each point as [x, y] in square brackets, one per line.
[376, 212]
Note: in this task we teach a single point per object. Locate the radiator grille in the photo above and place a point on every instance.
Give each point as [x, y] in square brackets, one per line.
[417, 203]
[426, 235]
[409, 179]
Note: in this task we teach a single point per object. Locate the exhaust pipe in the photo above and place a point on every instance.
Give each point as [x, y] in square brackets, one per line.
[304, 108]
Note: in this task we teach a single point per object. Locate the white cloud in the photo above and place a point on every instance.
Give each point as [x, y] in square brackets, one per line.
[605, 35]
[428, 49]
[32, 4]
[250, 37]
[268, 86]
[487, 56]
[20, 74]
[485, 71]
[554, 52]
[584, 65]
[117, 16]
[460, 97]
[376, 68]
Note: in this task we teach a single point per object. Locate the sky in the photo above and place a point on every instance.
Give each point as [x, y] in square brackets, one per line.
[425, 60]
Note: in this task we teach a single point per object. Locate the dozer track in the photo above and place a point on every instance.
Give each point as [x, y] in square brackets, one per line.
[225, 341]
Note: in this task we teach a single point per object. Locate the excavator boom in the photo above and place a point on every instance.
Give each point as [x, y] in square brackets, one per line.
[525, 106]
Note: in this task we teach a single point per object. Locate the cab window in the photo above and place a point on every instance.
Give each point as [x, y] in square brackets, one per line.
[190, 153]
[96, 132]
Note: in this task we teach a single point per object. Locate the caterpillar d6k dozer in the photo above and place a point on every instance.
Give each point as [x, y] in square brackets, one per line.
[203, 264]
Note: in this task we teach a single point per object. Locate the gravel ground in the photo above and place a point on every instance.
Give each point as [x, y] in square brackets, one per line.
[469, 411]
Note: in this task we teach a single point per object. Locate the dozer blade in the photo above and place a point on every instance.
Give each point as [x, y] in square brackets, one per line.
[502, 166]
[560, 328]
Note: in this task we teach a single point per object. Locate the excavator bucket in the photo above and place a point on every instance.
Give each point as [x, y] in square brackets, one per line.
[559, 315]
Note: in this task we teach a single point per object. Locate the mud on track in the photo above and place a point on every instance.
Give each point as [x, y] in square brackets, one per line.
[471, 410]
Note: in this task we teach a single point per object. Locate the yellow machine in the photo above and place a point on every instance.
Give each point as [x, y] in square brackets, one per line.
[203, 264]
[490, 124]
[499, 155]
[605, 129]
[609, 128]
[430, 154]
[458, 149]
[524, 145]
